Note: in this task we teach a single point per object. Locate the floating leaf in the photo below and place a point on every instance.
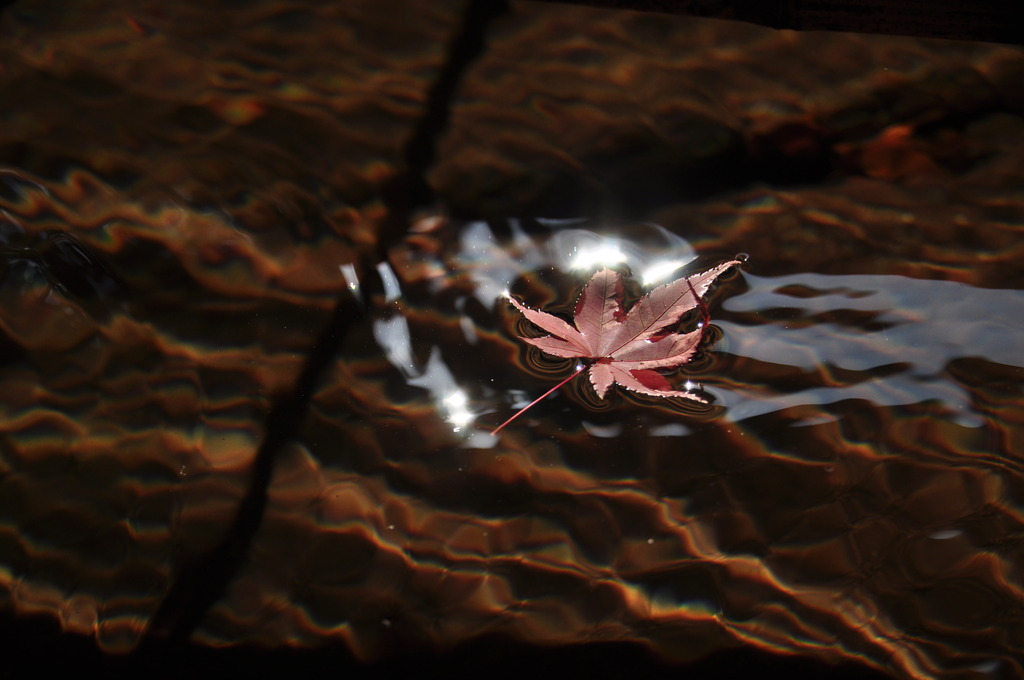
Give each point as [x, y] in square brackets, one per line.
[622, 347]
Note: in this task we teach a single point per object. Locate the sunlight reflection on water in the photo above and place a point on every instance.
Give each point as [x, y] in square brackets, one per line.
[885, 339]
[494, 264]
[919, 325]
[178, 237]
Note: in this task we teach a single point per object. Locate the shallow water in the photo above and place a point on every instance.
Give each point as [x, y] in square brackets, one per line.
[851, 481]
[249, 395]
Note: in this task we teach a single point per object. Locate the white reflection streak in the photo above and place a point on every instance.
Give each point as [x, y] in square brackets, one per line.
[451, 400]
[491, 267]
[392, 334]
[659, 271]
[588, 258]
[351, 279]
[392, 289]
[457, 406]
[929, 324]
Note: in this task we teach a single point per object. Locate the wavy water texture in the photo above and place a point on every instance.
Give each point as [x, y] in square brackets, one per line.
[840, 500]
[187, 204]
[886, 339]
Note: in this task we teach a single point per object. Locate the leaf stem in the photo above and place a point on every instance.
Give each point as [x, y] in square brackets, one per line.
[579, 370]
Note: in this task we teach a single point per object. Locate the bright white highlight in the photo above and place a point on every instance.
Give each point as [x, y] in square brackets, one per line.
[457, 406]
[351, 278]
[660, 271]
[392, 289]
[591, 257]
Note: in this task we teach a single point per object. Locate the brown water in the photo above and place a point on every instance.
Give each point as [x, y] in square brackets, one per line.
[222, 361]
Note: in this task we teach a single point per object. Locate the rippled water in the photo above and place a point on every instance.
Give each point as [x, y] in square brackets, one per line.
[851, 483]
[248, 395]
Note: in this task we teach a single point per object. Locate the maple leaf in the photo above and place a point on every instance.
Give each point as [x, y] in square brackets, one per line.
[623, 347]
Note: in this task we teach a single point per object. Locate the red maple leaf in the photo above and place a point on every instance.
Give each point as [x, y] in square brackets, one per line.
[622, 347]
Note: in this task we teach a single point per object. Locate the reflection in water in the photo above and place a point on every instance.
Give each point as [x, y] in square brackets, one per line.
[842, 494]
[847, 490]
[885, 339]
[185, 221]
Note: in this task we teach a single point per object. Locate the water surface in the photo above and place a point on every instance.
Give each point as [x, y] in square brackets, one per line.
[250, 377]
